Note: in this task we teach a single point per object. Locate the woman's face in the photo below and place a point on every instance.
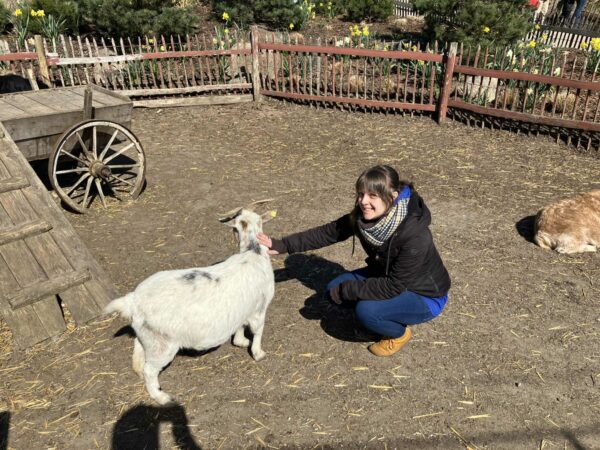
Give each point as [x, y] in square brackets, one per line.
[371, 205]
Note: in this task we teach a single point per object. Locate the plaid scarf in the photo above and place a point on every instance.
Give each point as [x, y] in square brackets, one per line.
[388, 224]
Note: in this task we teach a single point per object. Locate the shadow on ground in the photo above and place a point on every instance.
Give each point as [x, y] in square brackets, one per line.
[139, 428]
[525, 228]
[4, 422]
[315, 272]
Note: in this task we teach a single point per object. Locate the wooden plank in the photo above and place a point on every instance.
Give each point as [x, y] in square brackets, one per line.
[28, 105]
[23, 231]
[8, 111]
[32, 294]
[186, 90]
[12, 184]
[194, 101]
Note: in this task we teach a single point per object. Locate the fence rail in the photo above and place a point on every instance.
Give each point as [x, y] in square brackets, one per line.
[557, 90]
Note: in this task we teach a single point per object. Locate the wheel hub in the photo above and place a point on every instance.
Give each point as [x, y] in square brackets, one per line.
[99, 170]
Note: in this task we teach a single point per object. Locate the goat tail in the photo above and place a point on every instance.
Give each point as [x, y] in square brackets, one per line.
[122, 305]
[540, 237]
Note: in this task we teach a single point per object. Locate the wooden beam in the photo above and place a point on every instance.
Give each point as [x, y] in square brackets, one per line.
[41, 54]
[32, 294]
[255, 63]
[23, 231]
[185, 90]
[11, 184]
[193, 101]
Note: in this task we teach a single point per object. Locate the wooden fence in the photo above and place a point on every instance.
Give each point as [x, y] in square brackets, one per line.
[554, 89]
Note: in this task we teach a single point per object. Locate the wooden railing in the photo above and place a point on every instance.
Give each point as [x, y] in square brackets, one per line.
[558, 90]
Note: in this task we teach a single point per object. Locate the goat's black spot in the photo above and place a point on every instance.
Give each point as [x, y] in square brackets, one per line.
[192, 275]
[254, 246]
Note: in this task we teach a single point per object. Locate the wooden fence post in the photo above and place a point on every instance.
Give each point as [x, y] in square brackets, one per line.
[41, 53]
[255, 63]
[449, 61]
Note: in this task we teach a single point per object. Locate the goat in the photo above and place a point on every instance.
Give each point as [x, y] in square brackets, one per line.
[570, 225]
[11, 83]
[201, 308]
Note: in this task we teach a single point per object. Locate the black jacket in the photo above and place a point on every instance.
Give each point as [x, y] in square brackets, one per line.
[408, 260]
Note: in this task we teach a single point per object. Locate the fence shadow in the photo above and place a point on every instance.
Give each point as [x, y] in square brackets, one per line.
[139, 428]
[315, 272]
[4, 423]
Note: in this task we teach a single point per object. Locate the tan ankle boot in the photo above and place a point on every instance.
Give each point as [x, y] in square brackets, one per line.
[389, 346]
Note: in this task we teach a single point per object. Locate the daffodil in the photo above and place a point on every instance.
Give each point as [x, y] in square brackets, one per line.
[215, 40]
[162, 48]
[386, 47]
[40, 13]
[226, 30]
[33, 13]
[365, 31]
[537, 27]
[150, 41]
[31, 41]
[18, 12]
[584, 45]
[532, 44]
[414, 48]
[225, 16]
[291, 26]
[485, 29]
[405, 44]
[596, 44]
[556, 72]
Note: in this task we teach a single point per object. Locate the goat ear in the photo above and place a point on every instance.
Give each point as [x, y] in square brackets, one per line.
[269, 215]
[252, 206]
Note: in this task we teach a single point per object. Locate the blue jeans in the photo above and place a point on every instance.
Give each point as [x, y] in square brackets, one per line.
[387, 317]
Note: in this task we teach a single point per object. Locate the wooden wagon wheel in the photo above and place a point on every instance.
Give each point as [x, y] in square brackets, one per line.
[96, 158]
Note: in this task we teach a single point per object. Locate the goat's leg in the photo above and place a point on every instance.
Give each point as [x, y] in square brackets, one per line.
[138, 357]
[257, 325]
[159, 351]
[239, 340]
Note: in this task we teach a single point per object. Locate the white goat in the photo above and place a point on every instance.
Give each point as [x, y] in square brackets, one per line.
[570, 225]
[201, 308]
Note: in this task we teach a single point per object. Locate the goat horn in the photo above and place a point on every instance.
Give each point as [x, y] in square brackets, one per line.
[225, 217]
[253, 205]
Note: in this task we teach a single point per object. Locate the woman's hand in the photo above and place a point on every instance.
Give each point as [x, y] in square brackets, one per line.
[265, 240]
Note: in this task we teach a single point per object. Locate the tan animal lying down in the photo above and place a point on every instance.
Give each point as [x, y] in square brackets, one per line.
[570, 225]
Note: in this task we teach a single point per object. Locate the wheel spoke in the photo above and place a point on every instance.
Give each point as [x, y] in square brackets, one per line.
[94, 142]
[123, 166]
[72, 188]
[78, 170]
[83, 146]
[122, 180]
[87, 191]
[99, 188]
[76, 158]
[113, 156]
[107, 146]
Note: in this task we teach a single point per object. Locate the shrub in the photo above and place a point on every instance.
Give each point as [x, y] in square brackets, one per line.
[4, 17]
[475, 21]
[240, 12]
[135, 18]
[282, 14]
[357, 10]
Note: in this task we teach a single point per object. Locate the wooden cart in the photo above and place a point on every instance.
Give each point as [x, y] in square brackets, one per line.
[84, 134]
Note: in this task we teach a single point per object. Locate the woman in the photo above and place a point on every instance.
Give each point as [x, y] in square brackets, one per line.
[405, 281]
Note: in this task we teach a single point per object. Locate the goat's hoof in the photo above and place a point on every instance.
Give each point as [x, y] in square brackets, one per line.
[243, 342]
[163, 399]
[259, 355]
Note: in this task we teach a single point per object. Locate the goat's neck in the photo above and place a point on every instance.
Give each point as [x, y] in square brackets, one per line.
[249, 243]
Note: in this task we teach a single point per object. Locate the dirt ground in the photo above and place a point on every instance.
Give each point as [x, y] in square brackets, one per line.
[512, 362]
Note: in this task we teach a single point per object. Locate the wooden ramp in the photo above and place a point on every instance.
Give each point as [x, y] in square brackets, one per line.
[41, 257]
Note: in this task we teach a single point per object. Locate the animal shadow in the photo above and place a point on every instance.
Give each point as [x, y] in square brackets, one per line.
[525, 228]
[315, 272]
[4, 425]
[139, 428]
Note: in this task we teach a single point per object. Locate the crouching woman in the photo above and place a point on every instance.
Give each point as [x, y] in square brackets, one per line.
[405, 281]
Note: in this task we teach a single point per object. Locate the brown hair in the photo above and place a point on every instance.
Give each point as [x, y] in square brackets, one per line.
[382, 180]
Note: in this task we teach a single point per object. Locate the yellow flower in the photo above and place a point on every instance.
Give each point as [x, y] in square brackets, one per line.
[386, 47]
[162, 48]
[321, 4]
[365, 31]
[405, 44]
[584, 45]
[291, 26]
[40, 13]
[532, 44]
[544, 37]
[414, 48]
[18, 12]
[486, 29]
[537, 27]
[273, 213]
[31, 41]
[225, 16]
[33, 13]
[596, 44]
[150, 41]
[215, 40]
[226, 30]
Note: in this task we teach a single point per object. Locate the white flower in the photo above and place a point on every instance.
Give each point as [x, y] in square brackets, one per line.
[556, 72]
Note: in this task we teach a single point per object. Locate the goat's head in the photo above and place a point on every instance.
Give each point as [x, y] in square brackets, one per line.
[246, 223]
